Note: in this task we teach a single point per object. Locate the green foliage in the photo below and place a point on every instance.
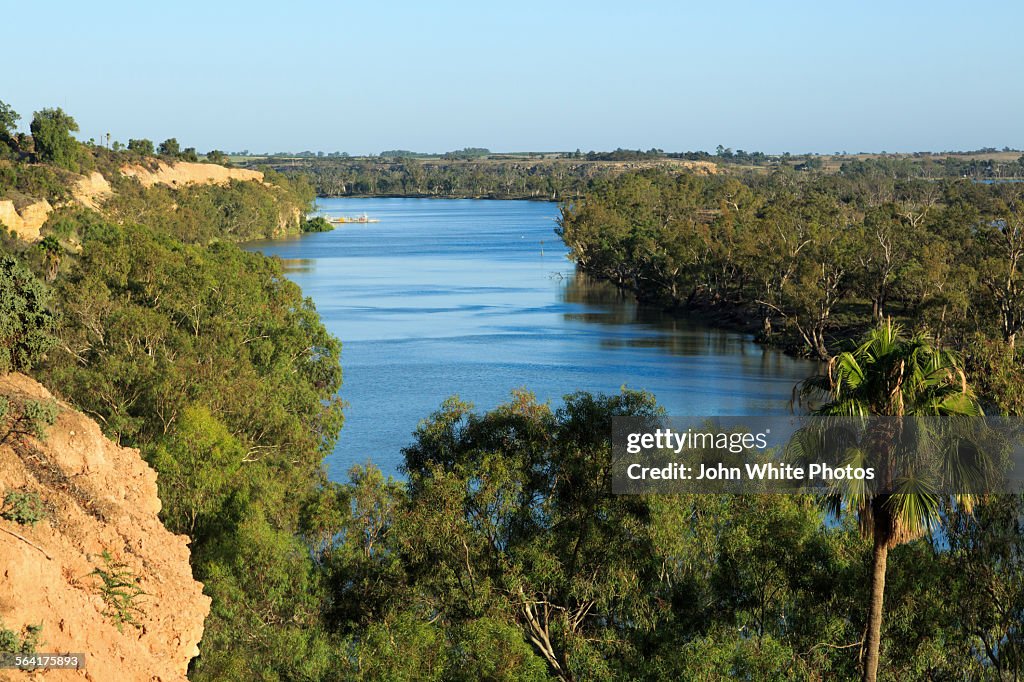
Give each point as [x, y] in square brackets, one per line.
[26, 323]
[508, 557]
[21, 417]
[467, 153]
[142, 146]
[51, 132]
[892, 375]
[24, 642]
[24, 507]
[219, 370]
[169, 147]
[217, 156]
[404, 175]
[120, 590]
[238, 211]
[21, 181]
[196, 464]
[987, 546]
[997, 369]
[52, 253]
[405, 649]
[8, 121]
[812, 262]
[316, 224]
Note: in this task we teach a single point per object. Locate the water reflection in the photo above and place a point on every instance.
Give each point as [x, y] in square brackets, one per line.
[652, 327]
[297, 265]
[454, 297]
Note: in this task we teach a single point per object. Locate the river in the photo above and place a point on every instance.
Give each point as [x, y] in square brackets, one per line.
[477, 298]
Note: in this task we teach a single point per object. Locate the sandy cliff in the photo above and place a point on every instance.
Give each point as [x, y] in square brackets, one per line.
[91, 190]
[99, 497]
[184, 173]
[25, 221]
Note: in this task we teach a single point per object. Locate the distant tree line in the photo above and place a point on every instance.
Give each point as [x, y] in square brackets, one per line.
[519, 179]
[810, 262]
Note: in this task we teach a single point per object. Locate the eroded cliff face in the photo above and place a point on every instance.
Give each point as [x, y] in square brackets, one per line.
[98, 498]
[91, 190]
[25, 221]
[183, 173]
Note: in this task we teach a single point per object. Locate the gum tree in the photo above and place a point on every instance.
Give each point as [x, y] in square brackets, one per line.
[51, 133]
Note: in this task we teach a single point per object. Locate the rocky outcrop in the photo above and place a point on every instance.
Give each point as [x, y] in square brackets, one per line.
[91, 190]
[99, 498]
[288, 221]
[184, 173]
[25, 221]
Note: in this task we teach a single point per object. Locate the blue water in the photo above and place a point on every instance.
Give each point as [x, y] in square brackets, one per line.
[477, 298]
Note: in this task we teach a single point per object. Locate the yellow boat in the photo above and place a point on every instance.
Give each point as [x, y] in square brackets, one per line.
[352, 219]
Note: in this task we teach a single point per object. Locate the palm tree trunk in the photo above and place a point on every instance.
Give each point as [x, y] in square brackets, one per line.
[873, 642]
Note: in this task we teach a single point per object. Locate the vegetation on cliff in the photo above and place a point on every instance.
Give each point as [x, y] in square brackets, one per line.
[505, 556]
[207, 359]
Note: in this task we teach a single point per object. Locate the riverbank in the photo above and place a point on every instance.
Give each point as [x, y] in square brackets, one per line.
[548, 179]
[475, 299]
[745, 319]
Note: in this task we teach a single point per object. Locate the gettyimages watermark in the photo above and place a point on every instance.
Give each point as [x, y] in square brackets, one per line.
[937, 456]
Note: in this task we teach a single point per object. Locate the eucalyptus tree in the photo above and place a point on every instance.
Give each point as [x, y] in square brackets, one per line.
[1002, 265]
[51, 134]
[512, 519]
[8, 121]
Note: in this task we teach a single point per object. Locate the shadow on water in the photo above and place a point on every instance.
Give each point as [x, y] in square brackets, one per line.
[650, 327]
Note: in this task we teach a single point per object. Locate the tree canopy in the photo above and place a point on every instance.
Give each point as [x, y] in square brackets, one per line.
[51, 133]
[26, 321]
[169, 147]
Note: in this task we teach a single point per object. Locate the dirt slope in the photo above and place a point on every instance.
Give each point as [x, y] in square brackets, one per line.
[99, 497]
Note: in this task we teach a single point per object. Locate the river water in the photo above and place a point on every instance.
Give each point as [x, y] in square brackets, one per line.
[476, 298]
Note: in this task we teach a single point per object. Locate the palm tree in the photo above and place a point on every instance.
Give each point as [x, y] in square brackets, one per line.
[52, 252]
[889, 375]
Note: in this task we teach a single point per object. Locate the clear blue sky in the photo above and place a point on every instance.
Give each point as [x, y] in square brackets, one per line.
[433, 76]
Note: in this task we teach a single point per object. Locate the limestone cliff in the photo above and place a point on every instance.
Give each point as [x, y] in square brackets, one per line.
[98, 498]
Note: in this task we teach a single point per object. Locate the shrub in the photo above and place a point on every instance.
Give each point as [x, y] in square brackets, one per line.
[119, 588]
[317, 224]
[26, 324]
[24, 507]
[25, 417]
[24, 642]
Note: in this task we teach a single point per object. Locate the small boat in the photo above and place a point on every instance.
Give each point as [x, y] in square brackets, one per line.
[339, 220]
